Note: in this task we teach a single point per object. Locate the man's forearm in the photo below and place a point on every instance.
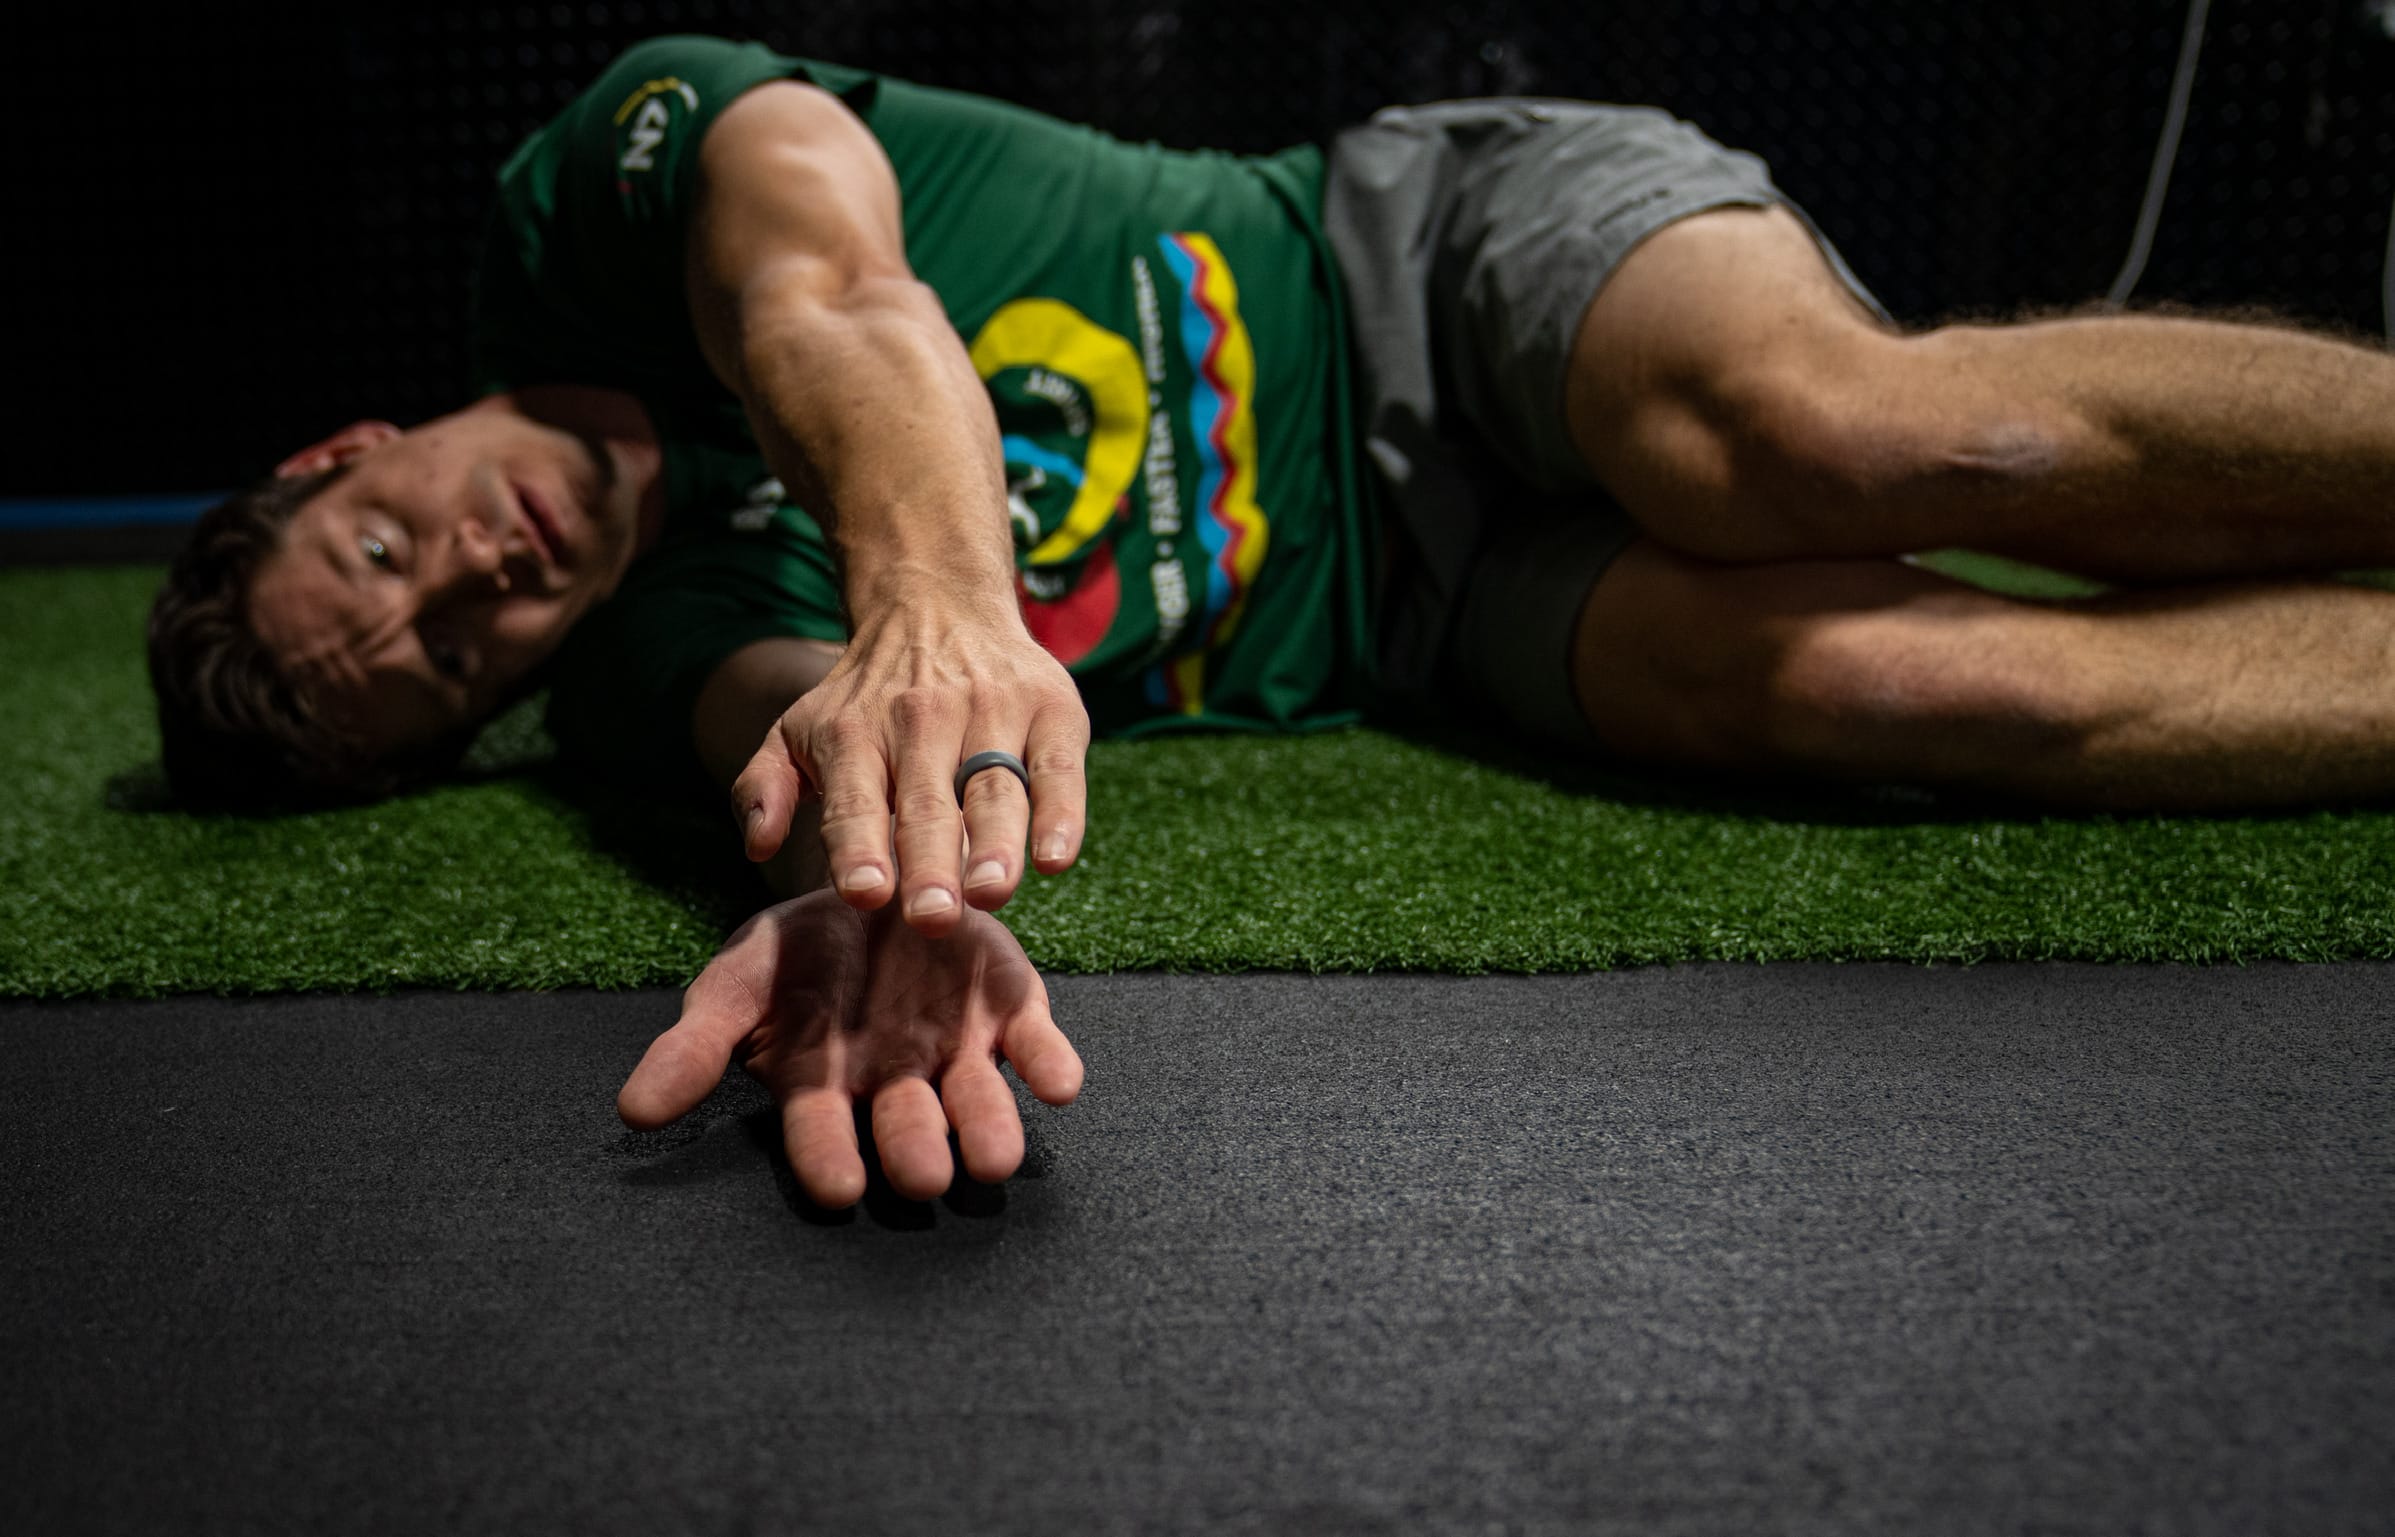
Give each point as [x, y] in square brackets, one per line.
[855, 384]
[870, 410]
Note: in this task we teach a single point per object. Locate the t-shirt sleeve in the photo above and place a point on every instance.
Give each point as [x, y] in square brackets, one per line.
[581, 273]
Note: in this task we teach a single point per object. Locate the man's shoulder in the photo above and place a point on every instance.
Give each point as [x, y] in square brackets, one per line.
[649, 98]
[580, 262]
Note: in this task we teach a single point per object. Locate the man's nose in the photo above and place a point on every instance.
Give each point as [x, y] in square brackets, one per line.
[477, 559]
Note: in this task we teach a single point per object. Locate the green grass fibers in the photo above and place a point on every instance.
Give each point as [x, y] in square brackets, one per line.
[1353, 851]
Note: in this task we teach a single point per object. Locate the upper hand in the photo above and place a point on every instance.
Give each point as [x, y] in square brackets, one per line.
[826, 1006]
[917, 692]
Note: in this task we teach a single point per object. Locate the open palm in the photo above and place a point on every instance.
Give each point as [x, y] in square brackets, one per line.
[827, 1006]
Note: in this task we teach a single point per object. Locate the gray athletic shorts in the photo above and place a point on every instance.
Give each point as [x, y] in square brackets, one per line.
[1472, 236]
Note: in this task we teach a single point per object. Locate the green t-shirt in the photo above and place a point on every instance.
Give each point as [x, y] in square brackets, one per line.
[1161, 336]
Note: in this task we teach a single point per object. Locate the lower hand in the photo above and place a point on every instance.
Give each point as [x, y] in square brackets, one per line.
[827, 1006]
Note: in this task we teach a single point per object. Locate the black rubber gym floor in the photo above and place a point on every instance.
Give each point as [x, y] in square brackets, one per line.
[1714, 1249]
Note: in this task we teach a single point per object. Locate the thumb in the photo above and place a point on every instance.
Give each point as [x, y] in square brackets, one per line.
[766, 795]
[683, 1066]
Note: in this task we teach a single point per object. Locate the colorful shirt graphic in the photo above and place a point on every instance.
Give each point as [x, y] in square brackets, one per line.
[1160, 336]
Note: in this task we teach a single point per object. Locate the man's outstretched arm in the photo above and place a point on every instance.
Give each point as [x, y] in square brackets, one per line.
[866, 404]
[830, 1008]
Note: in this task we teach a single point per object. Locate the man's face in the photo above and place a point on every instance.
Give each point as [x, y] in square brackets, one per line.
[411, 595]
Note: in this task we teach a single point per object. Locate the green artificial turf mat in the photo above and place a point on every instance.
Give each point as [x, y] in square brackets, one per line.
[1356, 850]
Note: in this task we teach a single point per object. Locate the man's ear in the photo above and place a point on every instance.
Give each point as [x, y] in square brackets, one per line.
[340, 448]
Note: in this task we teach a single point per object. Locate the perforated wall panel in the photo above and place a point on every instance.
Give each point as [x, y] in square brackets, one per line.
[240, 226]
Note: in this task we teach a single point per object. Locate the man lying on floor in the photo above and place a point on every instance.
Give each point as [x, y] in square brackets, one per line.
[913, 435]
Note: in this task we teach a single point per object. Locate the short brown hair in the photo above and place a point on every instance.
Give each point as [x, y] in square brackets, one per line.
[235, 734]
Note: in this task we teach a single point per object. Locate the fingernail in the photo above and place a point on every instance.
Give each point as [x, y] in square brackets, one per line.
[986, 872]
[930, 903]
[1053, 849]
[756, 819]
[862, 878]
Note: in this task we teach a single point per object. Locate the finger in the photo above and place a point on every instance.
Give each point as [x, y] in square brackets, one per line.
[911, 1134]
[1046, 1062]
[1056, 752]
[855, 779]
[683, 1065]
[930, 832]
[819, 1130]
[989, 1133]
[765, 797]
[996, 815]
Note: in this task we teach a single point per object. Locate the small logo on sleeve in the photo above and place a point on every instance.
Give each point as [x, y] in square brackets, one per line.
[756, 514]
[646, 111]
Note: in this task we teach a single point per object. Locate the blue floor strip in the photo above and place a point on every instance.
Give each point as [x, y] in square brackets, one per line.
[103, 511]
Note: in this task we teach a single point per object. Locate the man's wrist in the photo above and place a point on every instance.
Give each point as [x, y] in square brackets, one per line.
[905, 592]
[953, 545]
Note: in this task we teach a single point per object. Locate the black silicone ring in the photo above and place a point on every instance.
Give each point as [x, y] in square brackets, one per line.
[989, 760]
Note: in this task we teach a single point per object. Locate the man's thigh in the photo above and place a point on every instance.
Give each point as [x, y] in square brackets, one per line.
[1473, 237]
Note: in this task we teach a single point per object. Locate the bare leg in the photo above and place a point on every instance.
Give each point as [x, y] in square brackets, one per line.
[2199, 698]
[1744, 407]
[2194, 447]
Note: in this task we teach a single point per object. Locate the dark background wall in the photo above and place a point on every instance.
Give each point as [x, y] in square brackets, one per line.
[235, 227]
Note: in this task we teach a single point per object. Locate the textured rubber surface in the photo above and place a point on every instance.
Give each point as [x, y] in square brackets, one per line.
[1797, 1248]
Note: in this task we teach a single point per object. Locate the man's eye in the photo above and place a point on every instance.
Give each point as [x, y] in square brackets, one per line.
[376, 551]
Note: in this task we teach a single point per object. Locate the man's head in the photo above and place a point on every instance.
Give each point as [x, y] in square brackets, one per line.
[341, 629]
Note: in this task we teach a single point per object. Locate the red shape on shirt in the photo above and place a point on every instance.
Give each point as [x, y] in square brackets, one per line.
[1070, 627]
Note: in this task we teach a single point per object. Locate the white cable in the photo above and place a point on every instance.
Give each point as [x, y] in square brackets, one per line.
[2166, 155]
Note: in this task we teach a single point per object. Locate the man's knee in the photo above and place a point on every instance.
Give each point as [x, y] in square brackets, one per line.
[1868, 445]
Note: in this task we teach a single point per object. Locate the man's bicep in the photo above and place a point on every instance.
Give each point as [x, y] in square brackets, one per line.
[797, 208]
[747, 692]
